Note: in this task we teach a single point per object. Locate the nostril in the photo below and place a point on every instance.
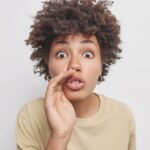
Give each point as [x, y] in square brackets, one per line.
[77, 69]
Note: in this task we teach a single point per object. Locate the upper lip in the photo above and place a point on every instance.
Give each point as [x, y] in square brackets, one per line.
[75, 78]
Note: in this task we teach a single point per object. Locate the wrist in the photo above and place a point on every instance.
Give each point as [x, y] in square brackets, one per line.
[58, 143]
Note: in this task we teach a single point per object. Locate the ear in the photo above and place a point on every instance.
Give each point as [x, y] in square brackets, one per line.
[49, 70]
[100, 69]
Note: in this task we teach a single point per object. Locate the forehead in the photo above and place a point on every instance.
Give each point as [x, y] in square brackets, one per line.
[76, 37]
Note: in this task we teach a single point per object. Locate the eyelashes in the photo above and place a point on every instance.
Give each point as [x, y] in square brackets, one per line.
[63, 54]
[88, 54]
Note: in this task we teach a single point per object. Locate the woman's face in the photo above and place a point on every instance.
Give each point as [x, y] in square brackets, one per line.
[80, 53]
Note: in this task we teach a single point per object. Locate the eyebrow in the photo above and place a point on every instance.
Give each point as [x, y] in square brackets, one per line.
[82, 42]
[88, 41]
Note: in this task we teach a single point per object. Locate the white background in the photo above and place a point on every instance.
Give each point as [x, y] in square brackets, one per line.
[128, 80]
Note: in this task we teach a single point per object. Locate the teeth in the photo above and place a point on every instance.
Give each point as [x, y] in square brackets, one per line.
[75, 82]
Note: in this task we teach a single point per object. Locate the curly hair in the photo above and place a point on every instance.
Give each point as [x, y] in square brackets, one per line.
[64, 17]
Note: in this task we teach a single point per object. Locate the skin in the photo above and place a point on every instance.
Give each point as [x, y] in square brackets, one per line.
[73, 55]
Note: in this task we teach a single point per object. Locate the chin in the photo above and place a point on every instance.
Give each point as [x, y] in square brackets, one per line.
[75, 95]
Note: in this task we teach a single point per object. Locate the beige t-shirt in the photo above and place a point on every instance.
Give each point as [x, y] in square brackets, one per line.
[112, 128]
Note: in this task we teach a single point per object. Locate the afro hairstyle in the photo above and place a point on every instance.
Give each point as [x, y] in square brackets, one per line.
[64, 17]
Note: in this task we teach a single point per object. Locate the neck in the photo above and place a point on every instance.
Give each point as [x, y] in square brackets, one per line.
[87, 107]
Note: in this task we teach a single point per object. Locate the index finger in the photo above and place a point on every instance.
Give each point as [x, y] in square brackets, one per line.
[58, 80]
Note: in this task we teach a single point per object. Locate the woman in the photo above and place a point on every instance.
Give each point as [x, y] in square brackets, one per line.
[74, 43]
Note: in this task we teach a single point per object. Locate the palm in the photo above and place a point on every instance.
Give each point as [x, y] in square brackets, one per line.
[60, 112]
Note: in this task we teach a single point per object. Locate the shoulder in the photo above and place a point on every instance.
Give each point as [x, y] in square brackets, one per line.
[31, 124]
[32, 109]
[117, 107]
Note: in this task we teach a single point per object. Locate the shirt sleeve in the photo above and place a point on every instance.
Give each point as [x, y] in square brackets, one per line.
[25, 138]
[132, 134]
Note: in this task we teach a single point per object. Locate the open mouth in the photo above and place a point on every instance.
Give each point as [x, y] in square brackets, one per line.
[75, 83]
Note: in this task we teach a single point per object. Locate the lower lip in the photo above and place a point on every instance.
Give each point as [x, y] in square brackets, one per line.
[75, 85]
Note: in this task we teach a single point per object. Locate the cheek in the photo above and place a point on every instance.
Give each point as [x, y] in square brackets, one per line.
[55, 67]
[93, 70]
[92, 73]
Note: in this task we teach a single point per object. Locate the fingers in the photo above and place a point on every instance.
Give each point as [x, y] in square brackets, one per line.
[55, 83]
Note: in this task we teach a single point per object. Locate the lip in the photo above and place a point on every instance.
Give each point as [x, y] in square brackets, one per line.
[75, 83]
[75, 78]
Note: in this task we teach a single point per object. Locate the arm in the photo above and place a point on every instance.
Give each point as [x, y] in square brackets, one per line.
[58, 143]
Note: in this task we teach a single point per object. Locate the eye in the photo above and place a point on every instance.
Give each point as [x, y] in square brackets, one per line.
[88, 54]
[61, 54]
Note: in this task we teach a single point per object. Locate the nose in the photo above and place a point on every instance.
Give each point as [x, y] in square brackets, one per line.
[75, 64]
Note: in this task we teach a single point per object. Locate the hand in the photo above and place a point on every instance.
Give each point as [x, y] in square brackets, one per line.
[60, 112]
